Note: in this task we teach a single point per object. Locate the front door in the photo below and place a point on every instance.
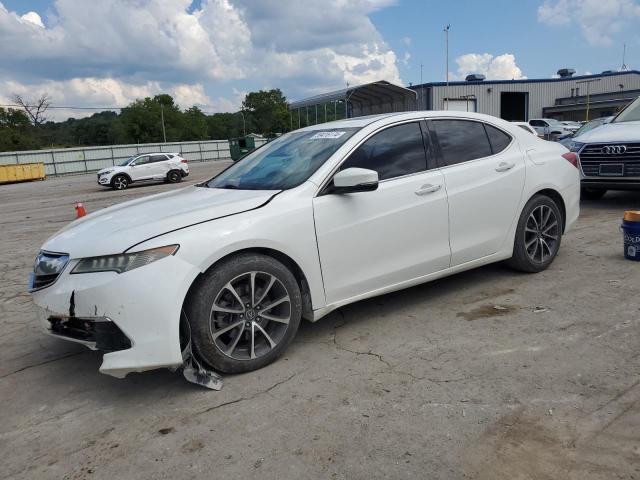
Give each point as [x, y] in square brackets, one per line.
[140, 168]
[371, 240]
[484, 173]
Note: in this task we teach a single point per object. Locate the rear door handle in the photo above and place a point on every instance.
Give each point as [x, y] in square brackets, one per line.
[428, 188]
[504, 166]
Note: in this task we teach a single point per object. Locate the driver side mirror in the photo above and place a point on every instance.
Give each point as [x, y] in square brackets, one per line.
[352, 180]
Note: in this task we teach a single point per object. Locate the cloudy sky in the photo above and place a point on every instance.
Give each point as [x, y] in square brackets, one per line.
[104, 53]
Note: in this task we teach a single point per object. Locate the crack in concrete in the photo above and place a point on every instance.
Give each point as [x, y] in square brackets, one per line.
[251, 397]
[41, 363]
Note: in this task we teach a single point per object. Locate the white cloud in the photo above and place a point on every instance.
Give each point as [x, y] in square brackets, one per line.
[502, 67]
[32, 17]
[112, 48]
[599, 20]
[99, 92]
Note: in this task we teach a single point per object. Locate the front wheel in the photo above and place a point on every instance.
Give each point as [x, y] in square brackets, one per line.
[591, 193]
[538, 235]
[244, 312]
[120, 182]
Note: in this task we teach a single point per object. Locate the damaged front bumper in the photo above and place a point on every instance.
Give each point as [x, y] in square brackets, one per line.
[134, 316]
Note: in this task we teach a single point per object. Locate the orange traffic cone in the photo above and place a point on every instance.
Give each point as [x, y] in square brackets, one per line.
[80, 211]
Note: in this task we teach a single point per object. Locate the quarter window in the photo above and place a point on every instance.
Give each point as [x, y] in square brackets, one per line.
[394, 152]
[461, 140]
[498, 139]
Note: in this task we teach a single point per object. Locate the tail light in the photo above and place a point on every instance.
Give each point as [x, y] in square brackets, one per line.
[571, 157]
[183, 161]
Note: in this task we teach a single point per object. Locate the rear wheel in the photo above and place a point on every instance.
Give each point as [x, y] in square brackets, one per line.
[120, 182]
[174, 177]
[244, 313]
[538, 235]
[591, 193]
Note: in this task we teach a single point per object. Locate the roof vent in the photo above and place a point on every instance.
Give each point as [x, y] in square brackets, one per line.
[566, 72]
[475, 77]
[608, 72]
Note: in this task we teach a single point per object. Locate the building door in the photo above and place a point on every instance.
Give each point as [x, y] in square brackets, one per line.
[460, 104]
[513, 106]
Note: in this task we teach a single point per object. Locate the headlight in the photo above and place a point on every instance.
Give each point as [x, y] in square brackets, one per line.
[575, 146]
[106, 173]
[123, 262]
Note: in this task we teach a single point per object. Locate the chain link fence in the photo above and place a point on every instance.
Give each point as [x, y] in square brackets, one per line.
[64, 161]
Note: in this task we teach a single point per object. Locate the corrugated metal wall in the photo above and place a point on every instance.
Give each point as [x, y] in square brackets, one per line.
[541, 94]
[81, 160]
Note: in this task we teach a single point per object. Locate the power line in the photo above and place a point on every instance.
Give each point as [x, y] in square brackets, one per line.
[64, 108]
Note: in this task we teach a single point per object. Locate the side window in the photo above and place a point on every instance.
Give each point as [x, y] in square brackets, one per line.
[393, 152]
[461, 140]
[158, 158]
[536, 123]
[142, 160]
[498, 139]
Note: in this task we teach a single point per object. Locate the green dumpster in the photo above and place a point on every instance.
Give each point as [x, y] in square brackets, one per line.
[239, 147]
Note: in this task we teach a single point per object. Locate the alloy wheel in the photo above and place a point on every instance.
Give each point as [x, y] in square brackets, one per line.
[541, 234]
[250, 315]
[120, 183]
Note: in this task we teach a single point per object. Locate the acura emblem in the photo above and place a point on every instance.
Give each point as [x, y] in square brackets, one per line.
[614, 149]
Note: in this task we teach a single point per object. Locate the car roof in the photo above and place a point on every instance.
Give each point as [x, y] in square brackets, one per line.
[360, 122]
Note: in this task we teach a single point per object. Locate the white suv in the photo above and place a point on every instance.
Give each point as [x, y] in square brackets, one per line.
[170, 167]
[550, 127]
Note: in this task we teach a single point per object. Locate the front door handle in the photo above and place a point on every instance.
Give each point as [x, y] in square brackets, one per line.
[504, 166]
[428, 188]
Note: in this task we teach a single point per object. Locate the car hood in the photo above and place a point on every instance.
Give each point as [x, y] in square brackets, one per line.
[116, 168]
[117, 228]
[612, 132]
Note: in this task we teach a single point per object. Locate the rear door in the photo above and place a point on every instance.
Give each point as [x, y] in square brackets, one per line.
[484, 174]
[371, 240]
[159, 166]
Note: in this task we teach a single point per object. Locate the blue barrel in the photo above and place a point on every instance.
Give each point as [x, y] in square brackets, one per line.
[631, 232]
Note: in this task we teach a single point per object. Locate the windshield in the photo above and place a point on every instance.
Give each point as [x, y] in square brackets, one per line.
[126, 162]
[590, 126]
[285, 162]
[629, 114]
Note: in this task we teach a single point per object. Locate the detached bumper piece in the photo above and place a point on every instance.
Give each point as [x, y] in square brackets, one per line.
[98, 333]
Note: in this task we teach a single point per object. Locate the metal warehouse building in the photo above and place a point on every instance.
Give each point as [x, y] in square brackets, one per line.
[565, 98]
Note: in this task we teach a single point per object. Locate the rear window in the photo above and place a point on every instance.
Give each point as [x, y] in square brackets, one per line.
[498, 139]
[461, 140]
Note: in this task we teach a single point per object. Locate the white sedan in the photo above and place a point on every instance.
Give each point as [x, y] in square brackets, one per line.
[319, 218]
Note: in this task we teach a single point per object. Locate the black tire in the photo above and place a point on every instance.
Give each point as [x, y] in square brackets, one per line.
[174, 176]
[537, 239]
[591, 193]
[230, 350]
[120, 182]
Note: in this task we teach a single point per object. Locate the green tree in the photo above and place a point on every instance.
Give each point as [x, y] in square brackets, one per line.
[141, 121]
[16, 131]
[268, 111]
[194, 125]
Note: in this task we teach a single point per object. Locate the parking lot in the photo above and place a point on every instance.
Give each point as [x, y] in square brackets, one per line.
[490, 374]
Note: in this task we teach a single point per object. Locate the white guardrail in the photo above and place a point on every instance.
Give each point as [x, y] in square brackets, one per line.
[64, 161]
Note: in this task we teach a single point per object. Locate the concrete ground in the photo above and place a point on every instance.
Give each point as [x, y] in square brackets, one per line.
[489, 374]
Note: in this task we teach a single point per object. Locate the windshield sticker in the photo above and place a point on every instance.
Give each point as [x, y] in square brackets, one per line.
[327, 135]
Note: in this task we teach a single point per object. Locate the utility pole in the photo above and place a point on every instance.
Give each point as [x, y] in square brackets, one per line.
[446, 47]
[588, 82]
[244, 125]
[421, 88]
[164, 133]
[624, 67]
